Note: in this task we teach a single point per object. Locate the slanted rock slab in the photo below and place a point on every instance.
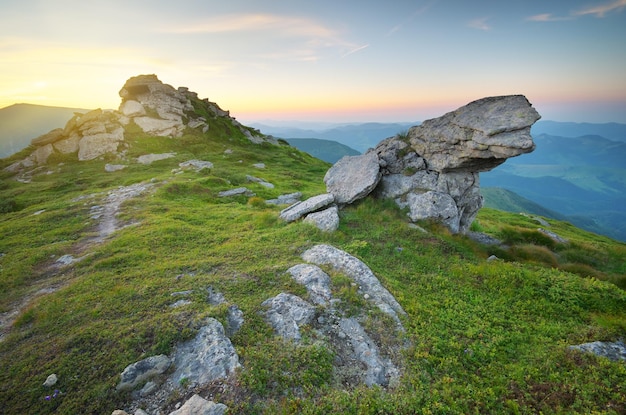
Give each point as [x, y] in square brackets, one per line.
[360, 273]
[353, 177]
[312, 204]
[316, 281]
[143, 370]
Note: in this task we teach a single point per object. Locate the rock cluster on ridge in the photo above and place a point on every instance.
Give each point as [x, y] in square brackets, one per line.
[433, 169]
[156, 108]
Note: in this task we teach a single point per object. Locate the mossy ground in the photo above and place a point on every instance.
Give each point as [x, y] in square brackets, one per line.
[486, 337]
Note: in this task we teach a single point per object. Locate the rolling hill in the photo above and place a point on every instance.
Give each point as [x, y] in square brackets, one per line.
[103, 267]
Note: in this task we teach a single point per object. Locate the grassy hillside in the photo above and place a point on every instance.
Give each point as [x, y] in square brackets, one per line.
[502, 199]
[482, 336]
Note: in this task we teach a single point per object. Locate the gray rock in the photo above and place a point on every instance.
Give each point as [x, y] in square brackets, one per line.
[434, 205]
[197, 405]
[196, 164]
[483, 238]
[556, 238]
[234, 320]
[66, 260]
[149, 388]
[207, 357]
[259, 165]
[143, 370]
[326, 220]
[288, 199]
[478, 136]
[300, 209]
[132, 108]
[286, 313]
[615, 351]
[110, 168]
[259, 181]
[51, 380]
[360, 273]
[316, 281]
[180, 303]
[150, 158]
[353, 177]
[398, 185]
[214, 297]
[379, 371]
[240, 191]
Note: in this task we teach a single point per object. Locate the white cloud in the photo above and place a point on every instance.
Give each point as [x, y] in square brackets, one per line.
[603, 9]
[546, 17]
[480, 24]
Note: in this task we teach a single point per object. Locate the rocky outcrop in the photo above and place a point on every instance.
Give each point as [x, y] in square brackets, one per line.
[433, 169]
[614, 351]
[156, 108]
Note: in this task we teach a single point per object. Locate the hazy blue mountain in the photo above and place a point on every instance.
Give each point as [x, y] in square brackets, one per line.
[503, 199]
[20, 123]
[327, 150]
[357, 136]
[612, 131]
[582, 177]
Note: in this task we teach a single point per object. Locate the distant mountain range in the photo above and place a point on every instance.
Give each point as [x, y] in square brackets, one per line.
[20, 123]
[327, 150]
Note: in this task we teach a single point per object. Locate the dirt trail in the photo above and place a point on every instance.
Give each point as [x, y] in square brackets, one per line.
[51, 274]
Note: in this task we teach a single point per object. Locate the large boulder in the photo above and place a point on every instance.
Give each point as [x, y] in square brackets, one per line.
[478, 136]
[353, 177]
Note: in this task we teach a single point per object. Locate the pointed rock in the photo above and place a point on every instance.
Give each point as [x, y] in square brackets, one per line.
[353, 177]
[298, 210]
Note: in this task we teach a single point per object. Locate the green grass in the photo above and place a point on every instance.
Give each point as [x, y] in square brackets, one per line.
[483, 337]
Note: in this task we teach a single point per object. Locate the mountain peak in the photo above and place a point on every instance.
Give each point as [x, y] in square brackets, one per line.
[158, 109]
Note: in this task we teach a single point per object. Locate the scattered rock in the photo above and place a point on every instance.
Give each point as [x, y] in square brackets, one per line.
[288, 199]
[234, 320]
[236, 192]
[259, 165]
[51, 380]
[150, 158]
[353, 177]
[360, 274]
[143, 370]
[379, 371]
[180, 303]
[556, 238]
[326, 220]
[196, 164]
[298, 210]
[259, 181]
[316, 281]
[214, 297]
[66, 260]
[614, 351]
[110, 168]
[208, 357]
[197, 405]
[287, 313]
[483, 238]
[492, 258]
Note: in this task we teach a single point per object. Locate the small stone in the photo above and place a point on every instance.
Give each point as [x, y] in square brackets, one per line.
[51, 380]
[492, 258]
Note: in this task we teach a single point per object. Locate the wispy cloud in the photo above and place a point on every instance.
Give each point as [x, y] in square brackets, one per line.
[598, 11]
[479, 23]
[409, 19]
[547, 17]
[355, 50]
[603, 9]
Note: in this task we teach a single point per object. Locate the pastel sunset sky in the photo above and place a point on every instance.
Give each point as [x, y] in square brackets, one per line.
[339, 60]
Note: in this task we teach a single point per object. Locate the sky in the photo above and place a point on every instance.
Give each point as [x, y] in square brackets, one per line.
[333, 61]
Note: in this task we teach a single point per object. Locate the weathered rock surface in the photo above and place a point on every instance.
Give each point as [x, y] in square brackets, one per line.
[239, 191]
[286, 313]
[196, 165]
[359, 272]
[298, 210]
[143, 370]
[611, 350]
[51, 380]
[316, 281]
[288, 199]
[209, 356]
[478, 136]
[353, 177]
[197, 405]
[151, 158]
[326, 220]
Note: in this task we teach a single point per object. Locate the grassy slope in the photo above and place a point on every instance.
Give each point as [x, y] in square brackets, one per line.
[485, 336]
